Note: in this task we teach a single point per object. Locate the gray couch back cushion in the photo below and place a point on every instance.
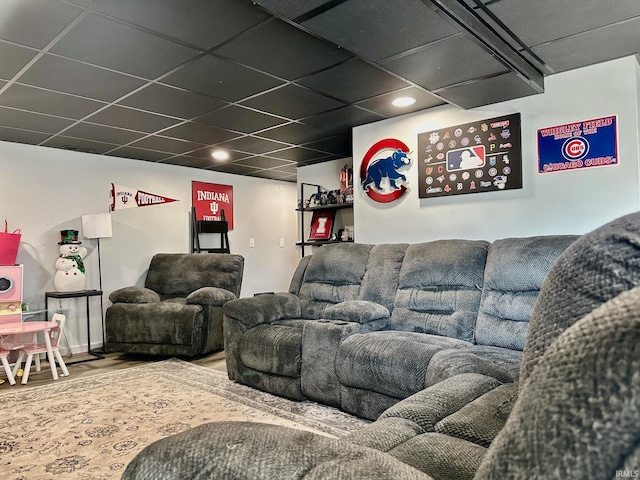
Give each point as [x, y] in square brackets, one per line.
[179, 274]
[380, 280]
[334, 274]
[439, 288]
[514, 273]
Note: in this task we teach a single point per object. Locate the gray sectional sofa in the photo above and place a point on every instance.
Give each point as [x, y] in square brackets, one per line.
[572, 413]
[365, 326]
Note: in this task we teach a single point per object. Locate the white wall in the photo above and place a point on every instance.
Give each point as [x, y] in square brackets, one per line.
[46, 190]
[552, 203]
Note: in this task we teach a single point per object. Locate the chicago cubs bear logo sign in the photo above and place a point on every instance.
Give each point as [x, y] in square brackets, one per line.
[379, 173]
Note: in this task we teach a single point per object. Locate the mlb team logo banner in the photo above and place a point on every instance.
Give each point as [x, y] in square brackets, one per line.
[125, 197]
[475, 157]
[573, 146]
[210, 199]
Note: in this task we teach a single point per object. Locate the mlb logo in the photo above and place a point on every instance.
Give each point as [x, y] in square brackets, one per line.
[465, 158]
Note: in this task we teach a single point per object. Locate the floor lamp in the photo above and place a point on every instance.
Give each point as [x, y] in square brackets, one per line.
[98, 226]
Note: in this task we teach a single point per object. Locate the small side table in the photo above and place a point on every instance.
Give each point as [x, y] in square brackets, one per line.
[79, 294]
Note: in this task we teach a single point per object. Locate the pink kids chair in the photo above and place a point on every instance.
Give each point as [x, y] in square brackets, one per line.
[36, 349]
[5, 363]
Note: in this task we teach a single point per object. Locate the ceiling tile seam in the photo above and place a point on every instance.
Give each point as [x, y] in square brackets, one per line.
[50, 90]
[44, 50]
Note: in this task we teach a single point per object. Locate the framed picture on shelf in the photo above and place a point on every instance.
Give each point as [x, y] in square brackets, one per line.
[322, 225]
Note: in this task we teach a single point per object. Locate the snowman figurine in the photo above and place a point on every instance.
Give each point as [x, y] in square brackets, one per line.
[70, 276]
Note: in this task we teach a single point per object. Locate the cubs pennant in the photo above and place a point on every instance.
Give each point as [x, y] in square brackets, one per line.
[125, 197]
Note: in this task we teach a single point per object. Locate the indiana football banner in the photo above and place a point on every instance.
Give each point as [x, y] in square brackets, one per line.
[211, 201]
[125, 197]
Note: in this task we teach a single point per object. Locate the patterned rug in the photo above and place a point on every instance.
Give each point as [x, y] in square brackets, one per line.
[90, 428]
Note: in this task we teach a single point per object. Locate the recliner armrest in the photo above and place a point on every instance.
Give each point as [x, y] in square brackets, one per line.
[358, 311]
[214, 296]
[254, 311]
[134, 294]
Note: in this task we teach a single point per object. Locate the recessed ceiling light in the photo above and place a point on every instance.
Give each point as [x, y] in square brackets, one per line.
[220, 155]
[403, 101]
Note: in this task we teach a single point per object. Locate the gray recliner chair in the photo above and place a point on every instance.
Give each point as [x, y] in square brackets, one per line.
[179, 309]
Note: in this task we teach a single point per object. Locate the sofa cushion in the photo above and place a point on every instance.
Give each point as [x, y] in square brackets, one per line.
[439, 288]
[380, 281]
[502, 364]
[513, 276]
[275, 348]
[333, 275]
[134, 295]
[179, 274]
[210, 296]
[359, 311]
[595, 268]
[393, 363]
[580, 404]
[481, 420]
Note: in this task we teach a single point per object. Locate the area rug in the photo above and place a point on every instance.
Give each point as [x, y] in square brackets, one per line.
[90, 428]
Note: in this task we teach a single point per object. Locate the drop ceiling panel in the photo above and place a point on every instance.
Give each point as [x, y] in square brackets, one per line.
[295, 133]
[253, 145]
[379, 29]
[240, 119]
[264, 162]
[488, 91]
[342, 118]
[221, 79]
[196, 132]
[293, 102]
[21, 136]
[339, 145]
[49, 102]
[282, 50]
[111, 44]
[352, 81]
[201, 23]
[10, 117]
[292, 8]
[139, 154]
[129, 118]
[35, 22]
[546, 20]
[592, 47]
[69, 76]
[298, 154]
[79, 144]
[432, 68]
[234, 168]
[102, 134]
[172, 101]
[169, 145]
[14, 58]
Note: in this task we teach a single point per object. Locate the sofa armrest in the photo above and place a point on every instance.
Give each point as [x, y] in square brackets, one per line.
[134, 295]
[214, 296]
[358, 311]
[254, 311]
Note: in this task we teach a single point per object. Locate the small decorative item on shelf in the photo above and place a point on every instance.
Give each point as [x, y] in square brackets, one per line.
[321, 225]
[299, 207]
[346, 179]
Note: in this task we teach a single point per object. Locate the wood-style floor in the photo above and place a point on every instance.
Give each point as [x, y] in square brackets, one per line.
[111, 362]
